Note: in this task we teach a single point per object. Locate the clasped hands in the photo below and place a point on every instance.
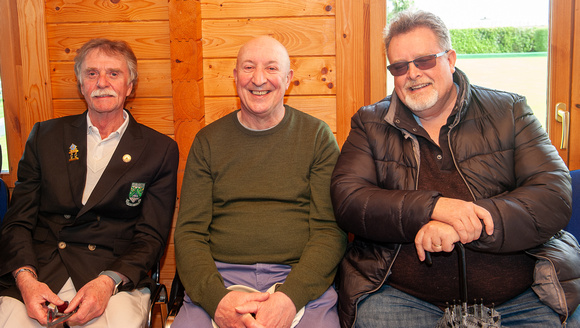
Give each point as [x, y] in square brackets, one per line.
[452, 221]
[255, 310]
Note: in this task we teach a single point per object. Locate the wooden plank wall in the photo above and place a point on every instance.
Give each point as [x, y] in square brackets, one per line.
[143, 24]
[186, 52]
[305, 27]
[204, 54]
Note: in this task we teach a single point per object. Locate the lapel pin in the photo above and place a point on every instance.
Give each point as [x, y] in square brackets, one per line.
[73, 153]
[126, 158]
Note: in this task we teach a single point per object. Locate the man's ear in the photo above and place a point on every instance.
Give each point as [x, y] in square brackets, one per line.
[130, 90]
[289, 78]
[452, 58]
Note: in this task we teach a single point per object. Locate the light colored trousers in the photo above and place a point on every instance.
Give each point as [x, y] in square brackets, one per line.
[319, 313]
[125, 310]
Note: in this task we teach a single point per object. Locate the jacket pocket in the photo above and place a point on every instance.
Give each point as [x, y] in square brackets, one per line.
[557, 273]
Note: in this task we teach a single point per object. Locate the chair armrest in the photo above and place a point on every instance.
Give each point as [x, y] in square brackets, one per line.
[175, 300]
[158, 297]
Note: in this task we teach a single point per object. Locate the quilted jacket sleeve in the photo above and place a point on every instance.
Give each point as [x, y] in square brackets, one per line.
[533, 188]
[374, 196]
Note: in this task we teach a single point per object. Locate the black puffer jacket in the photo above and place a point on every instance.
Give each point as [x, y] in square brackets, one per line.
[501, 152]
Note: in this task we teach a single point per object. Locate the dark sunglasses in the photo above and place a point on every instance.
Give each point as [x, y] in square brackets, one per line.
[422, 63]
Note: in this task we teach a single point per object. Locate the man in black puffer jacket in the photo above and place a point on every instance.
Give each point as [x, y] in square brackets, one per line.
[439, 162]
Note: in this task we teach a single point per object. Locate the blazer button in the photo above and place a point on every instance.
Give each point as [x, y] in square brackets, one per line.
[92, 247]
[62, 245]
[67, 216]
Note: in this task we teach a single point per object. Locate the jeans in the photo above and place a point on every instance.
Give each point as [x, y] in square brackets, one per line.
[392, 308]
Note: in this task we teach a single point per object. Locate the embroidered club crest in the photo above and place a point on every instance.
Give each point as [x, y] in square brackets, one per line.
[135, 194]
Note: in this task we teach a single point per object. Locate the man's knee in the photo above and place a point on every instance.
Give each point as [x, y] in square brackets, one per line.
[190, 313]
[125, 309]
[321, 312]
[13, 314]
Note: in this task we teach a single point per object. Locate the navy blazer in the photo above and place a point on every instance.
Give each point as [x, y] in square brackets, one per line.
[124, 224]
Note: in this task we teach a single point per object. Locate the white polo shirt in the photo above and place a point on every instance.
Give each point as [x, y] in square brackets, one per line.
[99, 152]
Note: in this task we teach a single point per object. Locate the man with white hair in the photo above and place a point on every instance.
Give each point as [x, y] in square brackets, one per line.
[92, 208]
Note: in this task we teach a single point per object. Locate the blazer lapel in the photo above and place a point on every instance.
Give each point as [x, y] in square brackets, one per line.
[75, 149]
[130, 148]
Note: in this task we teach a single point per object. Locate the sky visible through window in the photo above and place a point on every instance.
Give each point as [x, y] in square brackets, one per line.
[490, 13]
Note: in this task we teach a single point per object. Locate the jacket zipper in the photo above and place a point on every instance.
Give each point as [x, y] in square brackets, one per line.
[474, 199]
[411, 136]
[379, 287]
[455, 162]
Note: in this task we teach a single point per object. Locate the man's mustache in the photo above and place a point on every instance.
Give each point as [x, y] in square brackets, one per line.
[103, 92]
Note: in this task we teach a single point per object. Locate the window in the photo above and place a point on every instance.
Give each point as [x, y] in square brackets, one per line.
[523, 70]
[4, 164]
[10, 66]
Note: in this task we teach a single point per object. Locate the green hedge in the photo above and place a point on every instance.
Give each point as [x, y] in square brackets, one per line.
[499, 40]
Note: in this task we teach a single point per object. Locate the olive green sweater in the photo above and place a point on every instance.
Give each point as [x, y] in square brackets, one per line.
[259, 197]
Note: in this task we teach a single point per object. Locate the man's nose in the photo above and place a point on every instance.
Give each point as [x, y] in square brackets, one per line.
[258, 78]
[102, 81]
[413, 71]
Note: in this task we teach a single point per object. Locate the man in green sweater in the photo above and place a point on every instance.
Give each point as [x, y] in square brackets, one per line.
[255, 208]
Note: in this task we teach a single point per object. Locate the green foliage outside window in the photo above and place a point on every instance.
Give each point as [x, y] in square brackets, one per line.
[486, 40]
[396, 6]
[500, 40]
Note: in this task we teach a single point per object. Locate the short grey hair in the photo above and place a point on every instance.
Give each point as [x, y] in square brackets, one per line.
[408, 20]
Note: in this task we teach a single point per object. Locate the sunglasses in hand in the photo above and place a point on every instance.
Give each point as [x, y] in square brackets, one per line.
[55, 314]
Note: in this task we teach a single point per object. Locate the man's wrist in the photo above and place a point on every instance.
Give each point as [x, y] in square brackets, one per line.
[117, 280]
[24, 270]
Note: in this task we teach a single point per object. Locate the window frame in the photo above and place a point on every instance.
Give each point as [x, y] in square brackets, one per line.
[11, 73]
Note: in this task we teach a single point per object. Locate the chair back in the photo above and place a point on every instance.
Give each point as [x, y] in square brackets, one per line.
[4, 195]
[573, 226]
[4, 200]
